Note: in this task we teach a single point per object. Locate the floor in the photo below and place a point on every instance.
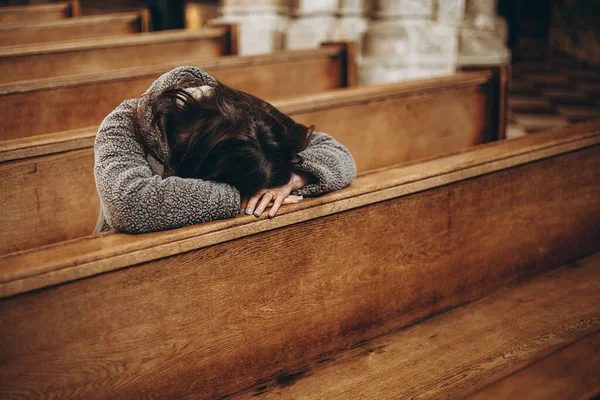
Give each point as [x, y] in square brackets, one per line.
[552, 93]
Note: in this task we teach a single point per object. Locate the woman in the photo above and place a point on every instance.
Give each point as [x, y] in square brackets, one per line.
[192, 150]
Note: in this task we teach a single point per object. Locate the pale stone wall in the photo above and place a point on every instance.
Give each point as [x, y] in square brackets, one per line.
[410, 39]
[262, 23]
[483, 35]
[397, 39]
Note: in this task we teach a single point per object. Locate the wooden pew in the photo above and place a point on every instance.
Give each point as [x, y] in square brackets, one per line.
[54, 193]
[209, 310]
[75, 29]
[570, 371]
[64, 103]
[38, 13]
[29, 62]
[502, 84]
[535, 340]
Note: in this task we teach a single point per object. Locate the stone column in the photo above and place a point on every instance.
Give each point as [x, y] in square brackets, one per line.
[410, 39]
[352, 20]
[484, 35]
[311, 23]
[262, 23]
[451, 12]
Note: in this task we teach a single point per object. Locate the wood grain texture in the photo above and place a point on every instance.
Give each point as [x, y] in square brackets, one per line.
[85, 257]
[350, 67]
[233, 37]
[379, 130]
[208, 322]
[569, 372]
[59, 193]
[81, 28]
[394, 129]
[37, 13]
[67, 100]
[29, 62]
[13, 149]
[501, 86]
[446, 356]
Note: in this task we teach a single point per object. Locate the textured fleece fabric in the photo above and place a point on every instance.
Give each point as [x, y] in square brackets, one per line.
[140, 193]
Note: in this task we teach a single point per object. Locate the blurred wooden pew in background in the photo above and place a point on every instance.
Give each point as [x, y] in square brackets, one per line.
[82, 101]
[53, 192]
[75, 29]
[39, 13]
[29, 62]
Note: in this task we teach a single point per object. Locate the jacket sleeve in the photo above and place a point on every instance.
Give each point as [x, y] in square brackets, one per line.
[136, 201]
[329, 162]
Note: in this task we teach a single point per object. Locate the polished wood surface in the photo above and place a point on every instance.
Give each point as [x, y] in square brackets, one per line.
[38, 13]
[209, 310]
[565, 372]
[81, 28]
[66, 101]
[380, 125]
[41, 267]
[388, 124]
[29, 62]
[502, 84]
[543, 335]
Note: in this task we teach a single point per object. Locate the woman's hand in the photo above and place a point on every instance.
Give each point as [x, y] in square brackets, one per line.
[258, 203]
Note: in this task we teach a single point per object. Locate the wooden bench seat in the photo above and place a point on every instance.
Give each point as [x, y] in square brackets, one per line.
[537, 341]
[76, 102]
[81, 28]
[566, 371]
[209, 310]
[30, 62]
[41, 12]
[53, 192]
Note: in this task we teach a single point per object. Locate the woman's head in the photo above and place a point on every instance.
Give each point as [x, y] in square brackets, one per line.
[226, 135]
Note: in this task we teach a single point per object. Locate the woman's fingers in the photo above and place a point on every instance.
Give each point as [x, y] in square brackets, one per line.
[292, 199]
[276, 204]
[244, 205]
[251, 206]
[258, 203]
[268, 197]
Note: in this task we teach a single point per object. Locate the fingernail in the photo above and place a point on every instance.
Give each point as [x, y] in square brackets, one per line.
[249, 211]
[272, 214]
[258, 212]
[242, 211]
[300, 198]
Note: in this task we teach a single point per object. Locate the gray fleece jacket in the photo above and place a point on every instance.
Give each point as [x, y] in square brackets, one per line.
[138, 190]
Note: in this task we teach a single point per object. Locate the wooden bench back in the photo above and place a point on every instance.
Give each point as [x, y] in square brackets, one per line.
[75, 29]
[502, 83]
[54, 194]
[176, 314]
[38, 13]
[70, 103]
[30, 62]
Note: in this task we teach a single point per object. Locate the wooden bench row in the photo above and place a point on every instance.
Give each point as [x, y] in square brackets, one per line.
[53, 193]
[39, 13]
[36, 61]
[539, 340]
[82, 101]
[209, 310]
[75, 29]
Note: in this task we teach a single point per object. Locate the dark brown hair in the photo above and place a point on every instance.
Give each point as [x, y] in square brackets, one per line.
[230, 136]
